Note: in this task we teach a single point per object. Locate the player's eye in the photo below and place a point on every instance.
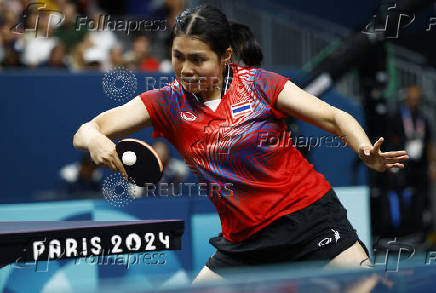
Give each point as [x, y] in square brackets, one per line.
[178, 56]
[197, 60]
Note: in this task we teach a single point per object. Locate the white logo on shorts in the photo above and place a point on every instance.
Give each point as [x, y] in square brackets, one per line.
[328, 240]
[325, 241]
[336, 235]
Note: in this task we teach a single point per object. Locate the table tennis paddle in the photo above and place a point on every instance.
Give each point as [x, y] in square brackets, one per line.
[140, 160]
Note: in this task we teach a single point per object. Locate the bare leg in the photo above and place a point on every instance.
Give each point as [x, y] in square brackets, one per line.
[206, 275]
[354, 256]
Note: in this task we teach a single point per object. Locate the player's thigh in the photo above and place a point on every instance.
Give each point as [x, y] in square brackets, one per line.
[206, 275]
[354, 256]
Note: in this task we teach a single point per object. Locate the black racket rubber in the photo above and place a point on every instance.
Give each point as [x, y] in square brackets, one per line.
[146, 168]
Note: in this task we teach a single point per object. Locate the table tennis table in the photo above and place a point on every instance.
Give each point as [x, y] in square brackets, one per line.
[28, 241]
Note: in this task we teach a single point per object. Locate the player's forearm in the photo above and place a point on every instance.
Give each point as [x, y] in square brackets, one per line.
[350, 131]
[84, 135]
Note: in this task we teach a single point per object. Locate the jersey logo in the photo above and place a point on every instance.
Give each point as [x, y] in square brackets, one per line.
[241, 109]
[188, 116]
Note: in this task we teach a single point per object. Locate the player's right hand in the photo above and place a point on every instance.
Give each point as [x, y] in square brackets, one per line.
[103, 153]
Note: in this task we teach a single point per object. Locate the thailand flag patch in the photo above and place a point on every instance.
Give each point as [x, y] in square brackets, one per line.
[241, 109]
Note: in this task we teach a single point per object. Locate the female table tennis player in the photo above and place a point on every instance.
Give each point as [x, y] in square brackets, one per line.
[225, 120]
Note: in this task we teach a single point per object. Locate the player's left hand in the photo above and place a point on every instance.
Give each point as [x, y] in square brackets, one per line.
[375, 159]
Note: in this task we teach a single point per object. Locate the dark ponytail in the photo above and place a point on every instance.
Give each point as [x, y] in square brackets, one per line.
[246, 50]
[210, 25]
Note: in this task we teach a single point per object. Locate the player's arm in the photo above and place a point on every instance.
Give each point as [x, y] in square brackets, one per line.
[96, 135]
[296, 102]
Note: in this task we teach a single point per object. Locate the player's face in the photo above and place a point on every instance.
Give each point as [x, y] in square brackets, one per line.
[197, 67]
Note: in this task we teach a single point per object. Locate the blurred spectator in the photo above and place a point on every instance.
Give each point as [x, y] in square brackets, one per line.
[102, 41]
[9, 17]
[15, 6]
[62, 46]
[174, 8]
[37, 45]
[408, 196]
[86, 57]
[33, 32]
[80, 177]
[175, 170]
[11, 58]
[116, 56]
[57, 58]
[2, 51]
[168, 12]
[174, 173]
[156, 9]
[139, 58]
[67, 32]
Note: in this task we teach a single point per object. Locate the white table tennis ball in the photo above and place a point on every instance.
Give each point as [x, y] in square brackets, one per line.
[129, 158]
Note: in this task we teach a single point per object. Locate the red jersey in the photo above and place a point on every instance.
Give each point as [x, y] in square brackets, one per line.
[243, 148]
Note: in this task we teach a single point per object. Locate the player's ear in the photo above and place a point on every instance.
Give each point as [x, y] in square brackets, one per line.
[227, 55]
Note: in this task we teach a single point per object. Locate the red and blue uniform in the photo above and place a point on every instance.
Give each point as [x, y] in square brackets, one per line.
[243, 150]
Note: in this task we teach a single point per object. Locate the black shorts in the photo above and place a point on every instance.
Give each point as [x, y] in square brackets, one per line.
[318, 233]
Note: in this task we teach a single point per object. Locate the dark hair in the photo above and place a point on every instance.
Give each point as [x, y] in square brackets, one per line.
[210, 25]
[244, 45]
